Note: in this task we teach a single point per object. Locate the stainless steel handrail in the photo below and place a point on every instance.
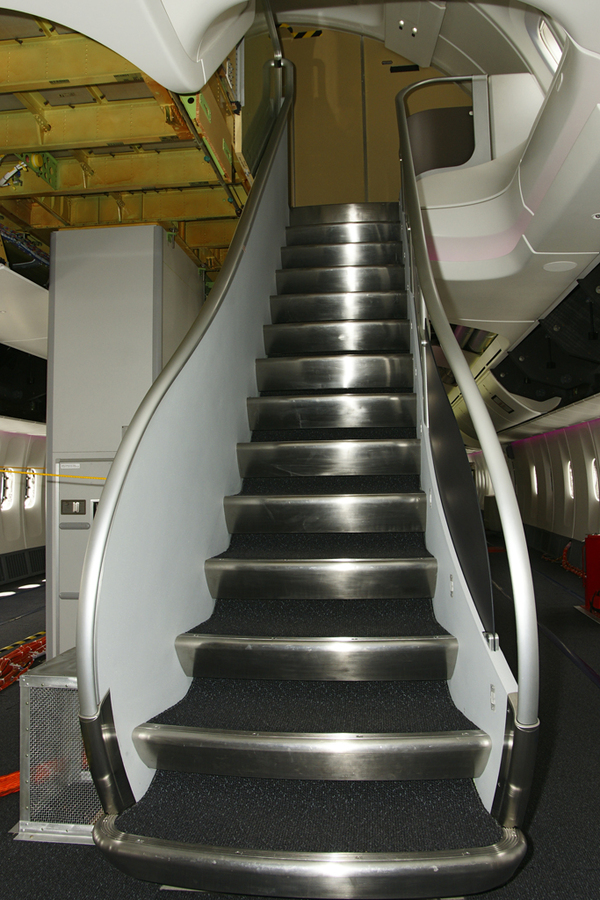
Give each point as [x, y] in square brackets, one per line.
[87, 681]
[512, 525]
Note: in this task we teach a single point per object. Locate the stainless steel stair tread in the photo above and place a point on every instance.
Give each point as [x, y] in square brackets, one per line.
[314, 755]
[354, 513]
[321, 578]
[423, 657]
[354, 254]
[354, 306]
[332, 411]
[367, 371]
[334, 213]
[310, 458]
[354, 875]
[312, 279]
[377, 336]
[343, 233]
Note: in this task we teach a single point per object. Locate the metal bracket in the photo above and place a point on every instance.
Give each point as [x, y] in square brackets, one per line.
[492, 640]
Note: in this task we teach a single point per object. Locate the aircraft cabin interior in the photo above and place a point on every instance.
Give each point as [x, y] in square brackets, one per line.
[300, 449]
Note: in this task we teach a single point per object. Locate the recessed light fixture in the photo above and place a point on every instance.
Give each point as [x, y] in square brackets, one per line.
[7, 593]
[28, 587]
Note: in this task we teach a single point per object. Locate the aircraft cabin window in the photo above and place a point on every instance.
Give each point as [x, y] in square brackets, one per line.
[30, 489]
[548, 43]
[7, 490]
[534, 479]
[570, 482]
[595, 480]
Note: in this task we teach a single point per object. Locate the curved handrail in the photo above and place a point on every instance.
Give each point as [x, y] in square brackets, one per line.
[87, 683]
[510, 517]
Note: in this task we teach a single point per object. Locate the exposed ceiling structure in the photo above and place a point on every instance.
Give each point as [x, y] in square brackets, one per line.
[88, 140]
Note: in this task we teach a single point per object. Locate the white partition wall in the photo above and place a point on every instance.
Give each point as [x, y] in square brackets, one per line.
[121, 300]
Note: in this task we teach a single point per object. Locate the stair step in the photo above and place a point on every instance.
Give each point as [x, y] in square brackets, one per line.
[313, 255]
[332, 411]
[327, 373]
[427, 658]
[327, 706]
[365, 757]
[322, 458]
[344, 840]
[340, 278]
[337, 337]
[316, 578]
[325, 618]
[314, 513]
[344, 212]
[343, 233]
[349, 305]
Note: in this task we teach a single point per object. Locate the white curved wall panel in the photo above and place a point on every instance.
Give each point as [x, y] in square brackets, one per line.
[553, 509]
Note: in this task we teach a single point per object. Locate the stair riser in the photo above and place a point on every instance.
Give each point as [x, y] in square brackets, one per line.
[328, 876]
[400, 659]
[306, 373]
[344, 212]
[345, 306]
[389, 457]
[340, 278]
[319, 579]
[345, 411]
[341, 255]
[312, 514]
[351, 233]
[377, 757]
[337, 337]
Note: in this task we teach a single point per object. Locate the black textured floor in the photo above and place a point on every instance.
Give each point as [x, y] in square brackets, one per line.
[334, 434]
[327, 484]
[312, 816]
[324, 706]
[322, 618]
[408, 545]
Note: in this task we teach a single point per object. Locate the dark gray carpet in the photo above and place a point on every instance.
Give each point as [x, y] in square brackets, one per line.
[322, 618]
[322, 706]
[327, 484]
[334, 434]
[408, 545]
[264, 813]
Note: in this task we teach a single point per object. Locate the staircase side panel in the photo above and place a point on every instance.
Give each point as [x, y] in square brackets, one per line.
[169, 517]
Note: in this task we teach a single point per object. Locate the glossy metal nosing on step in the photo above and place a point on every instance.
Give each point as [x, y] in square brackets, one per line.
[372, 371]
[337, 337]
[313, 255]
[344, 212]
[314, 756]
[357, 306]
[328, 876]
[321, 579]
[324, 513]
[392, 456]
[343, 233]
[340, 278]
[332, 411]
[429, 658]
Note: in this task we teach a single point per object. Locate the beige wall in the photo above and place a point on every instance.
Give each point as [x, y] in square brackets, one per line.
[346, 140]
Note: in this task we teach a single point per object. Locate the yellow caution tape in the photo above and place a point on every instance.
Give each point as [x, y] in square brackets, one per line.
[300, 34]
[27, 640]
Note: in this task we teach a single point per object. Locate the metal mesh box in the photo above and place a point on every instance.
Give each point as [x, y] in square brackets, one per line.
[58, 798]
